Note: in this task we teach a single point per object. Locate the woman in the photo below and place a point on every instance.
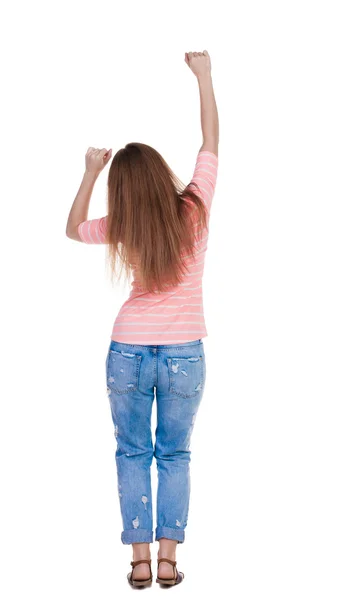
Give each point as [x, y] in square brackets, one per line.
[157, 229]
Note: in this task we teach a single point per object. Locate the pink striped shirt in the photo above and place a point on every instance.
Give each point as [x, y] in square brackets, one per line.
[176, 315]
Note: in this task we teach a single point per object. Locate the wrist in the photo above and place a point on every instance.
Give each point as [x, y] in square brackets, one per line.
[90, 175]
[205, 77]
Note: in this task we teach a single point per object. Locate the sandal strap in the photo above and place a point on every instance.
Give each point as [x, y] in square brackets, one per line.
[171, 562]
[134, 563]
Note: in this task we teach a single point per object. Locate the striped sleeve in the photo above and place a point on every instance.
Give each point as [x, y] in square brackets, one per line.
[93, 231]
[205, 175]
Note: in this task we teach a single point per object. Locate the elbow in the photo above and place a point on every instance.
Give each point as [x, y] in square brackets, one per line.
[211, 144]
[70, 233]
[73, 234]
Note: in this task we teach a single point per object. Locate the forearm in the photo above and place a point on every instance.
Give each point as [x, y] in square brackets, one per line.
[79, 210]
[208, 109]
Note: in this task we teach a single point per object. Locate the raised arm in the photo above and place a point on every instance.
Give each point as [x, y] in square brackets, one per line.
[200, 65]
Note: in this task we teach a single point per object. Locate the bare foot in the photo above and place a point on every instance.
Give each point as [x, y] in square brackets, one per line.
[141, 571]
[167, 549]
[141, 551]
[166, 571]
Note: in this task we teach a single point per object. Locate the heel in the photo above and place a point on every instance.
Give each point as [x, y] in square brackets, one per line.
[178, 575]
[139, 582]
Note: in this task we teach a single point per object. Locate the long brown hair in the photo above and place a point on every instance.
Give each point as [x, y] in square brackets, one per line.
[149, 221]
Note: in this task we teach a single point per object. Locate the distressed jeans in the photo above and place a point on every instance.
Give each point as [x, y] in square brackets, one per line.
[175, 375]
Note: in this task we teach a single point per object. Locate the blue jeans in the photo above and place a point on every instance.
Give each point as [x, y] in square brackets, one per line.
[175, 374]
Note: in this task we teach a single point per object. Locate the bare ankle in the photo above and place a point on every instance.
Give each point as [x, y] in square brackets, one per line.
[167, 548]
[141, 551]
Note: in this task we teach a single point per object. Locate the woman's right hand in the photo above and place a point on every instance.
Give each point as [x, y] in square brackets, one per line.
[199, 62]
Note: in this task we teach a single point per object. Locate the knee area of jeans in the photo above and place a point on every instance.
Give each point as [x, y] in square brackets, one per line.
[145, 456]
[183, 456]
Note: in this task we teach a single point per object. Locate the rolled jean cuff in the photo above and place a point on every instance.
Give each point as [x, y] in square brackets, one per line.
[133, 536]
[171, 534]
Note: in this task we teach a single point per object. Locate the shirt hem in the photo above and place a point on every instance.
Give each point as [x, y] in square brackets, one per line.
[156, 341]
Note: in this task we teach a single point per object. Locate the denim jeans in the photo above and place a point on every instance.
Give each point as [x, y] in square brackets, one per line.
[175, 375]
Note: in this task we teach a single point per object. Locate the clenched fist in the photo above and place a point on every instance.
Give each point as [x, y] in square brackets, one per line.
[96, 159]
[199, 62]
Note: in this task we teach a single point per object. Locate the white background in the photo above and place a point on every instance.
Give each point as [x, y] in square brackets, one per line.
[263, 507]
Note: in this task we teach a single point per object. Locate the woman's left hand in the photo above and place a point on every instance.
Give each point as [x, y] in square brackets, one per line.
[96, 159]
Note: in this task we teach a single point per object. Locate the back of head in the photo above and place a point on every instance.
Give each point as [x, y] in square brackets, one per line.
[150, 216]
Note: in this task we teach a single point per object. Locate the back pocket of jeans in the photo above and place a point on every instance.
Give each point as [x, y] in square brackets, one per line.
[123, 371]
[186, 376]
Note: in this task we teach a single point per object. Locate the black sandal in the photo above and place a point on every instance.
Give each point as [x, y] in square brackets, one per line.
[178, 575]
[139, 582]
